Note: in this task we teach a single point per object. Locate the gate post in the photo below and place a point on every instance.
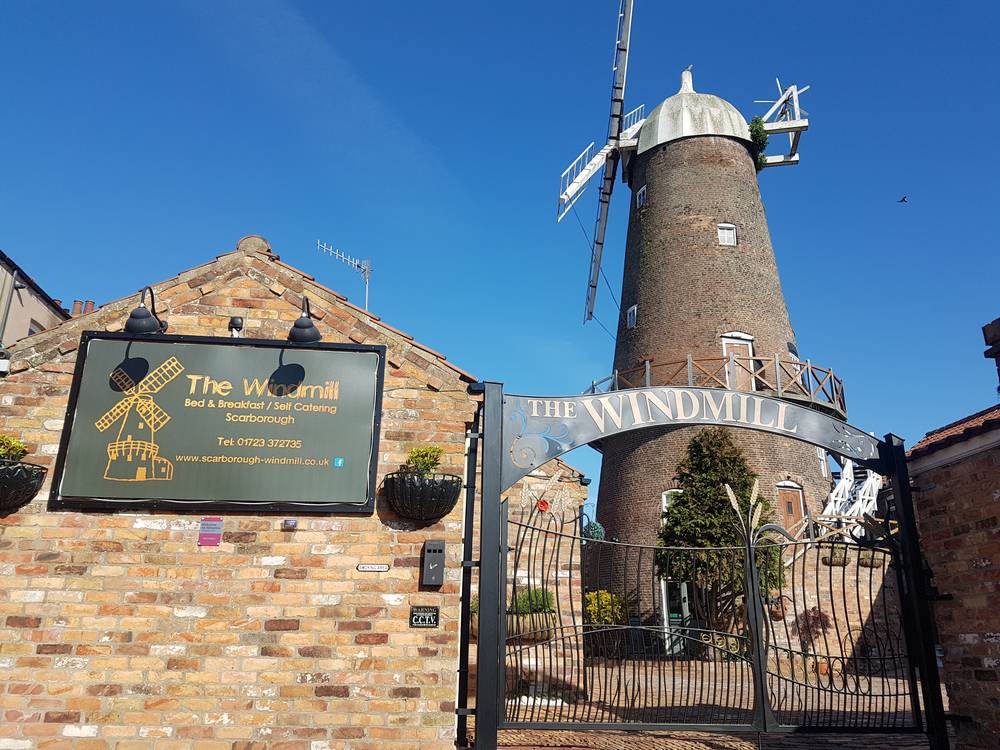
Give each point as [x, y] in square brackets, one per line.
[489, 673]
[918, 603]
[468, 563]
[763, 713]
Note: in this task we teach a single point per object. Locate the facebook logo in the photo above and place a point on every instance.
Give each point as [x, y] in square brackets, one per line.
[338, 462]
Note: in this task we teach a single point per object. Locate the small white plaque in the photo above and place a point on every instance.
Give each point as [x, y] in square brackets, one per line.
[373, 568]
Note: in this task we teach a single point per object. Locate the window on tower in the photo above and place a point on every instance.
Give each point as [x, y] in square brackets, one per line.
[640, 197]
[727, 234]
[631, 315]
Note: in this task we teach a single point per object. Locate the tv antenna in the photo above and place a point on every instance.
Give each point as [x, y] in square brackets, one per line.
[364, 267]
[622, 132]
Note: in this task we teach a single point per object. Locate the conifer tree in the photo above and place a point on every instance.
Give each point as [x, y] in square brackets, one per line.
[701, 535]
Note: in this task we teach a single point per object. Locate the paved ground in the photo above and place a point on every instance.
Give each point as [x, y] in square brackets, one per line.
[535, 740]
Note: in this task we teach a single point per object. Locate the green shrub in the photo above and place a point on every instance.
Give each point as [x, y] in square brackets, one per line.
[593, 530]
[533, 602]
[474, 605]
[758, 142]
[603, 608]
[424, 460]
[12, 449]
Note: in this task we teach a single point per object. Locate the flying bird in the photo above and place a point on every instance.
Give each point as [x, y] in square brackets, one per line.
[903, 200]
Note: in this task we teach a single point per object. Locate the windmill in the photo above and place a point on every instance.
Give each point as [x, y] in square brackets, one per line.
[134, 455]
[785, 116]
[622, 131]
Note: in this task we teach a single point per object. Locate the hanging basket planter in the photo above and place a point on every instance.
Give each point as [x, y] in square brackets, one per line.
[19, 483]
[867, 559]
[422, 497]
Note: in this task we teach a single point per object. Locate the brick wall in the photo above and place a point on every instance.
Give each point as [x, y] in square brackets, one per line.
[120, 631]
[690, 290]
[958, 511]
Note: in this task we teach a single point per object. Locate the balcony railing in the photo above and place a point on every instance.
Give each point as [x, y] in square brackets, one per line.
[791, 379]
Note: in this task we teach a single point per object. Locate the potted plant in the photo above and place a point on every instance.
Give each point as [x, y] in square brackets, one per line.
[417, 492]
[810, 625]
[603, 612]
[776, 605]
[838, 557]
[532, 616]
[19, 481]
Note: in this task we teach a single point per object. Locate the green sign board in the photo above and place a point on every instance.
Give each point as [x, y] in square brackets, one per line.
[172, 421]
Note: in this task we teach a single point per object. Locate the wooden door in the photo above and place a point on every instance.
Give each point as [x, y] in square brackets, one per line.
[740, 378]
[790, 507]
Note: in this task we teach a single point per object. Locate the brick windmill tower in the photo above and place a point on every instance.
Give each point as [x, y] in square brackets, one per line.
[701, 300]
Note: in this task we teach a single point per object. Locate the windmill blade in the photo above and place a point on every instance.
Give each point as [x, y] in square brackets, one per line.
[597, 249]
[575, 177]
[620, 68]
[623, 37]
[159, 377]
[123, 380]
[155, 416]
[113, 414]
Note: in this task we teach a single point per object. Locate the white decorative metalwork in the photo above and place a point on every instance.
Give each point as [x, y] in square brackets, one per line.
[785, 116]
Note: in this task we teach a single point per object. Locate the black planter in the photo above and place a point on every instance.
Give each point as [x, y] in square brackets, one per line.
[423, 498]
[19, 483]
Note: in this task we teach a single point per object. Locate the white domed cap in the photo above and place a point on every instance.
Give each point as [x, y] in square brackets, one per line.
[689, 113]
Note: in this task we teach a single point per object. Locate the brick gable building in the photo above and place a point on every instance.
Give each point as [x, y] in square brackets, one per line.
[956, 469]
[120, 631]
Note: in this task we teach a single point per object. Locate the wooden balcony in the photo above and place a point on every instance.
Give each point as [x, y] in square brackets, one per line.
[802, 382]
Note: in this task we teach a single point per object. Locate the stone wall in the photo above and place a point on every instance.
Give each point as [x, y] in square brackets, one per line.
[120, 631]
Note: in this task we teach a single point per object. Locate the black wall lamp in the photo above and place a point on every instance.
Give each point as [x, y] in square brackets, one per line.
[303, 331]
[142, 320]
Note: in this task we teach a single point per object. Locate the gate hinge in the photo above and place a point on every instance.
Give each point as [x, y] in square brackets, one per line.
[465, 711]
[473, 435]
[470, 563]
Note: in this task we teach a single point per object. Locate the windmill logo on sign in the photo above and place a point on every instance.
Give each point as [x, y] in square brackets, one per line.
[134, 455]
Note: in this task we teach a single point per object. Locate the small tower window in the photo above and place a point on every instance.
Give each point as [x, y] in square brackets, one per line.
[823, 466]
[727, 234]
[640, 197]
[630, 316]
[667, 499]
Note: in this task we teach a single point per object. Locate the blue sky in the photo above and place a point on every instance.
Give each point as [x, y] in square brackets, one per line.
[139, 139]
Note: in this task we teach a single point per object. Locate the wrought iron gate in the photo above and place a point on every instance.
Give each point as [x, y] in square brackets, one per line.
[774, 634]
[777, 633]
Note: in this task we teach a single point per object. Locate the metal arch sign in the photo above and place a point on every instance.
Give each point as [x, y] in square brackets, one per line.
[537, 429]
